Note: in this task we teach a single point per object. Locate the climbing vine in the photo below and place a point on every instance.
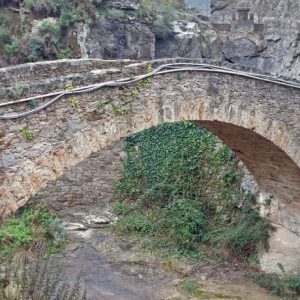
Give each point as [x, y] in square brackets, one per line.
[180, 193]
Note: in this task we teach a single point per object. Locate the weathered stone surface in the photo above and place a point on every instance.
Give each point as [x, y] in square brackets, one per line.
[284, 249]
[89, 182]
[189, 39]
[276, 22]
[112, 268]
[257, 119]
[267, 34]
[239, 49]
[115, 39]
[203, 5]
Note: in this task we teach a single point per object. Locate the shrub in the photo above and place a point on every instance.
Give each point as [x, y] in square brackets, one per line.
[5, 35]
[61, 3]
[162, 25]
[162, 13]
[113, 13]
[68, 19]
[12, 48]
[27, 134]
[283, 285]
[119, 109]
[243, 236]
[42, 279]
[162, 28]
[64, 53]
[35, 50]
[49, 26]
[44, 7]
[32, 103]
[179, 191]
[31, 228]
[148, 8]
[75, 102]
[16, 92]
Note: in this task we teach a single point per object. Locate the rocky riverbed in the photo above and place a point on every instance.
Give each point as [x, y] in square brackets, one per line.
[116, 268]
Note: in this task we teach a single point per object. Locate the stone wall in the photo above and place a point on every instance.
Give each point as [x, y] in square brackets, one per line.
[258, 120]
[89, 185]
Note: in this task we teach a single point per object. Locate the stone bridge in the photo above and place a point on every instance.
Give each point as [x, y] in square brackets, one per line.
[258, 119]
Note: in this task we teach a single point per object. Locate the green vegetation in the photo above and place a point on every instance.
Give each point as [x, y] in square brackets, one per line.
[69, 87]
[33, 229]
[4, 32]
[16, 92]
[68, 19]
[50, 26]
[13, 47]
[119, 110]
[28, 41]
[114, 14]
[27, 134]
[64, 53]
[35, 49]
[41, 6]
[195, 289]
[100, 104]
[75, 102]
[189, 287]
[32, 103]
[283, 285]
[162, 14]
[179, 193]
[42, 279]
[22, 44]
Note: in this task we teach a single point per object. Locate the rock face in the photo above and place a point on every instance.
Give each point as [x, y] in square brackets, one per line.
[239, 50]
[255, 33]
[189, 39]
[203, 5]
[272, 28]
[116, 29]
[113, 39]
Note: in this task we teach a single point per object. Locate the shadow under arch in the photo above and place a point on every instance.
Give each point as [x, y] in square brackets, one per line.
[274, 171]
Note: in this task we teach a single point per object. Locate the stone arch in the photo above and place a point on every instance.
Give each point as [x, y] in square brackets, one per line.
[258, 119]
[257, 112]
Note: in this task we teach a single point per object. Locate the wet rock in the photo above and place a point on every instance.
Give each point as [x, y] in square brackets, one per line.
[99, 220]
[73, 226]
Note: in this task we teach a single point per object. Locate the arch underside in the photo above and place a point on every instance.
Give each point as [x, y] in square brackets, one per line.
[275, 172]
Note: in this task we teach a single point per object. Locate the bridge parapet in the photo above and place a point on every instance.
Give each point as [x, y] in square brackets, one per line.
[43, 77]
